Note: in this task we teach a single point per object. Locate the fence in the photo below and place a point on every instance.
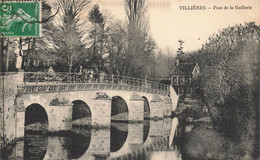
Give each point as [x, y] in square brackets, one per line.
[63, 78]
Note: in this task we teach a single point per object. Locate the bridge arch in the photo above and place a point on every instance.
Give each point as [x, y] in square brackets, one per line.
[119, 109]
[146, 108]
[36, 117]
[81, 112]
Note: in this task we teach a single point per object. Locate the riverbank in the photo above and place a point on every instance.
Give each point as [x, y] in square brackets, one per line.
[201, 141]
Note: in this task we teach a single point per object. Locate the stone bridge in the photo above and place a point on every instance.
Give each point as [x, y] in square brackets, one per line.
[55, 96]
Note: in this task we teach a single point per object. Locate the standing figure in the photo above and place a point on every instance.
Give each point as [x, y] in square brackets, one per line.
[18, 53]
[80, 73]
[85, 75]
[91, 75]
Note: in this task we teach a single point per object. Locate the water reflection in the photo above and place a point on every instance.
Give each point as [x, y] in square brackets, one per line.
[56, 149]
[77, 144]
[124, 140]
[99, 147]
[118, 133]
[13, 152]
[146, 129]
[35, 146]
[149, 140]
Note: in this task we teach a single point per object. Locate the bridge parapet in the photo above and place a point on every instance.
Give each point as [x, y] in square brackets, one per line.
[39, 82]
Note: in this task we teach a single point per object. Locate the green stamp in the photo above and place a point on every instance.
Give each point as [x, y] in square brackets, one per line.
[20, 19]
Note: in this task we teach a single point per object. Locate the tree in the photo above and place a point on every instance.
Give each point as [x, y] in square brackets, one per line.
[115, 46]
[32, 47]
[68, 37]
[140, 44]
[97, 36]
[230, 67]
[40, 49]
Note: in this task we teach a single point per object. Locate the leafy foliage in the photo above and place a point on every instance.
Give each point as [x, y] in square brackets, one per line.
[68, 37]
[139, 43]
[104, 43]
[97, 37]
[230, 69]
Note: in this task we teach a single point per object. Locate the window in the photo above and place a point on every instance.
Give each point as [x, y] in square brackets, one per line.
[174, 80]
[180, 91]
[180, 80]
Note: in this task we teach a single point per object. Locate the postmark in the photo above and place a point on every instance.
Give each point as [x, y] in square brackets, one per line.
[20, 19]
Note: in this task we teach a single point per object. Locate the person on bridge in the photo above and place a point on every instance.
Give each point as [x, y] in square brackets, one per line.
[91, 75]
[85, 75]
[80, 73]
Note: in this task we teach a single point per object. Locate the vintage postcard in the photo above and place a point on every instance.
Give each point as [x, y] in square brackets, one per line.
[130, 79]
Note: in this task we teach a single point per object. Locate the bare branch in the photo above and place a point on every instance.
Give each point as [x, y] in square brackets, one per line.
[42, 21]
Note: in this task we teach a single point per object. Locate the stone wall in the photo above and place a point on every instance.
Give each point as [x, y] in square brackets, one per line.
[174, 98]
[11, 108]
[8, 91]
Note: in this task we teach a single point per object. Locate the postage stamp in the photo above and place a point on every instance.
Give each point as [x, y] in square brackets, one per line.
[20, 19]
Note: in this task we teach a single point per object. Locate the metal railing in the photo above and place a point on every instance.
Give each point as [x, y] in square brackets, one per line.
[64, 79]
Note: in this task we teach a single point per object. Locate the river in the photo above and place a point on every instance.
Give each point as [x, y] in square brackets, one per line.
[150, 140]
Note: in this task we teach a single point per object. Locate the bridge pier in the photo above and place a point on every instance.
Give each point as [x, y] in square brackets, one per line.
[100, 111]
[157, 107]
[20, 118]
[167, 109]
[136, 108]
[59, 115]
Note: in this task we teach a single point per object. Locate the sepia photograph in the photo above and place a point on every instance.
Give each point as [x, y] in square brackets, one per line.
[129, 80]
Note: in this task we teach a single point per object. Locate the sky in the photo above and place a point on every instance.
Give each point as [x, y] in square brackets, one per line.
[168, 23]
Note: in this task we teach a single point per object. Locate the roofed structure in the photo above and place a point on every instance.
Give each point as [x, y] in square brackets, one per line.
[186, 69]
[181, 77]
